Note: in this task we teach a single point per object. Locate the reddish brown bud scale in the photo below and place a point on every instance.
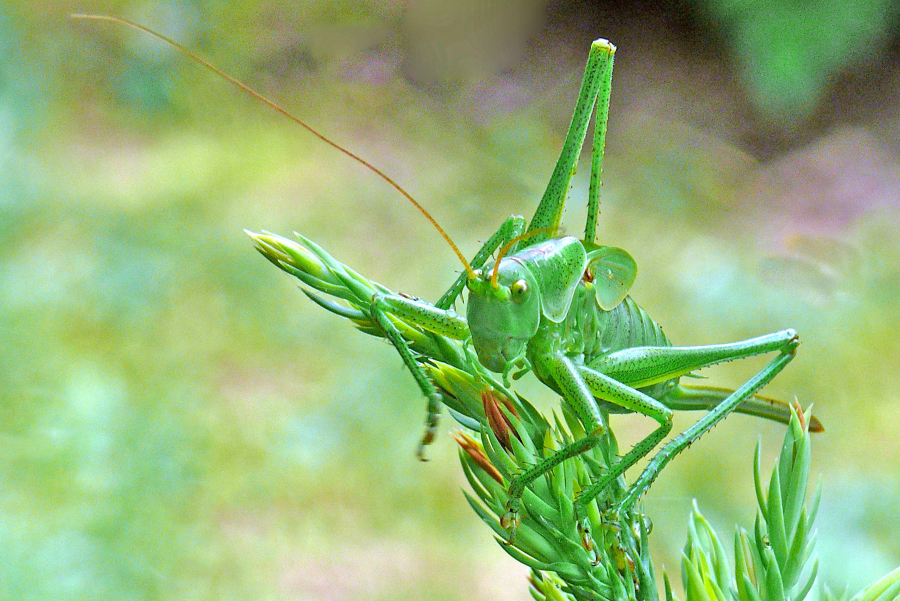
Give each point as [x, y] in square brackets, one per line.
[474, 450]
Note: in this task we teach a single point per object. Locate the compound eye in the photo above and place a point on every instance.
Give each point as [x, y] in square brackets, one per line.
[519, 290]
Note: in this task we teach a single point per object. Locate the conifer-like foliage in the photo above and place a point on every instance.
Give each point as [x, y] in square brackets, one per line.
[503, 435]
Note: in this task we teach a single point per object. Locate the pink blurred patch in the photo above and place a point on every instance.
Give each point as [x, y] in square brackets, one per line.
[824, 189]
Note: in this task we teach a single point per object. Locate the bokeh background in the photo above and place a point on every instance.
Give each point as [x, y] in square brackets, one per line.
[178, 422]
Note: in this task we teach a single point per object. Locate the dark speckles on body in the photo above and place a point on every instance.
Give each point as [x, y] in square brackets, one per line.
[588, 332]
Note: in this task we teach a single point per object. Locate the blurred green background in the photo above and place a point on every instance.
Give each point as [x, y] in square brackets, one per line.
[177, 421]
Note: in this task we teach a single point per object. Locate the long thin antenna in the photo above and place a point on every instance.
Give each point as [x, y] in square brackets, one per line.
[496, 271]
[184, 50]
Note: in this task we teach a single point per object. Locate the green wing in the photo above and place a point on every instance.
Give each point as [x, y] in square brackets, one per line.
[613, 272]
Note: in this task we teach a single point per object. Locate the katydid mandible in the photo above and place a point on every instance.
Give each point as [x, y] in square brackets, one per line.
[559, 306]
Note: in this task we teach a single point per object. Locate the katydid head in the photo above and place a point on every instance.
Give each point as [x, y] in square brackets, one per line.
[503, 312]
[508, 300]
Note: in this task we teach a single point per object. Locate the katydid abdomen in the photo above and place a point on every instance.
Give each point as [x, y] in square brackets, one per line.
[590, 333]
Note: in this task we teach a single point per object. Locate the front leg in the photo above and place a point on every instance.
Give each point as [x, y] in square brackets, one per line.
[428, 389]
[443, 322]
[436, 321]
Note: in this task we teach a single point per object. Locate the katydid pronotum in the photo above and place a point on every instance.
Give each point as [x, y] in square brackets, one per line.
[559, 306]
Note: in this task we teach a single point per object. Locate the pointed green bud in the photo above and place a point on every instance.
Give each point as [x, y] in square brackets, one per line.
[284, 252]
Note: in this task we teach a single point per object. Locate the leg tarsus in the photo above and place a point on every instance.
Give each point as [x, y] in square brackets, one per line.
[431, 423]
[510, 520]
[583, 525]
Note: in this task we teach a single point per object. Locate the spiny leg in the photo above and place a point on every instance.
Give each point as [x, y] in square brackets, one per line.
[608, 389]
[512, 227]
[600, 123]
[703, 425]
[441, 324]
[580, 399]
[434, 397]
[638, 367]
[580, 385]
[596, 83]
[645, 365]
[642, 366]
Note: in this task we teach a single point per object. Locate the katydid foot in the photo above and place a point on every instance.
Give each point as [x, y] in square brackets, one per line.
[610, 520]
[587, 541]
[510, 520]
[431, 424]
